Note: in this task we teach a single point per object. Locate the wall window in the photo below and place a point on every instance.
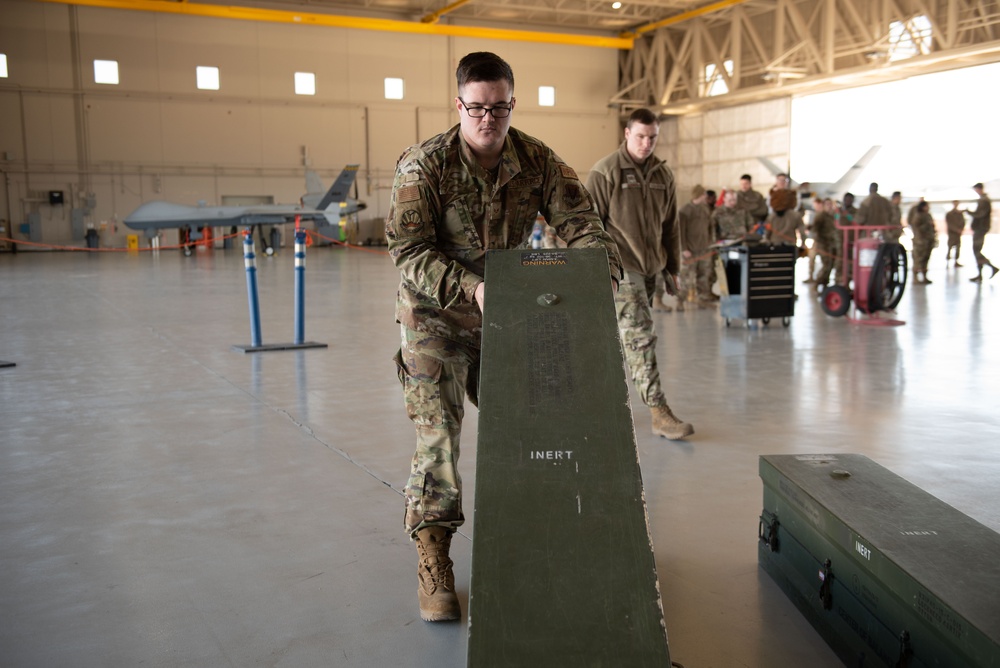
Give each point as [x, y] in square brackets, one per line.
[106, 72]
[208, 78]
[546, 96]
[393, 89]
[3, 65]
[305, 83]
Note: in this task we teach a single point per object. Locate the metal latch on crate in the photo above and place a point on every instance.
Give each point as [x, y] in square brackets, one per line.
[767, 530]
[905, 651]
[825, 588]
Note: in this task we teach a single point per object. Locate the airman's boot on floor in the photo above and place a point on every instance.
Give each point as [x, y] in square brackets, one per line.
[658, 305]
[667, 425]
[436, 591]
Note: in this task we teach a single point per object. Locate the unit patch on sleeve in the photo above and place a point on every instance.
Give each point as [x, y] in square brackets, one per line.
[411, 221]
[572, 196]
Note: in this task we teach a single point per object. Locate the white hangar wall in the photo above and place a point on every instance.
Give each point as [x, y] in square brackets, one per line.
[715, 148]
[155, 136]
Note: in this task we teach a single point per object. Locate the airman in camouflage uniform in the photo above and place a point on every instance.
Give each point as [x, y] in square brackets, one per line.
[980, 225]
[785, 224]
[478, 186]
[896, 231]
[954, 220]
[697, 235]
[826, 242]
[753, 203]
[875, 211]
[924, 240]
[635, 196]
[845, 218]
[731, 223]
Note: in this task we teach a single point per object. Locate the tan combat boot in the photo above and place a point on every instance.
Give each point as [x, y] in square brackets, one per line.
[436, 591]
[665, 424]
[658, 305]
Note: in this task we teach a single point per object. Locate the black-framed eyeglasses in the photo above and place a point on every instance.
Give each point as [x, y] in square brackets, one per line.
[480, 112]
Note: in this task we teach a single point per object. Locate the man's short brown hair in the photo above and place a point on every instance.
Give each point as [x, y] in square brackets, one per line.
[644, 116]
[483, 66]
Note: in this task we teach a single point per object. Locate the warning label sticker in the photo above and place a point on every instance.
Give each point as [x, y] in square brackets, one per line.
[540, 259]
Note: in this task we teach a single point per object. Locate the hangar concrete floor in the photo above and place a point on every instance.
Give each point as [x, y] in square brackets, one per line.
[166, 501]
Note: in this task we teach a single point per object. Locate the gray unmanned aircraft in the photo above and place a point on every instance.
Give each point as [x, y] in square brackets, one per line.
[326, 209]
[809, 190]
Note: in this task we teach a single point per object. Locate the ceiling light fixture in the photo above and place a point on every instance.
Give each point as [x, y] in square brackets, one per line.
[616, 5]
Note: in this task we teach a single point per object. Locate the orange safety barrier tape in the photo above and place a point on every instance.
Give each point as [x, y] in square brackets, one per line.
[338, 242]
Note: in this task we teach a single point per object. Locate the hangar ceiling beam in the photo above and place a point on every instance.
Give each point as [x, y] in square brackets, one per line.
[353, 22]
[685, 16]
[433, 17]
[810, 46]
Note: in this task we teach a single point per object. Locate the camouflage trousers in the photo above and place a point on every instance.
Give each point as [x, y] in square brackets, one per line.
[698, 272]
[954, 241]
[828, 258]
[437, 374]
[633, 304]
[922, 253]
[978, 241]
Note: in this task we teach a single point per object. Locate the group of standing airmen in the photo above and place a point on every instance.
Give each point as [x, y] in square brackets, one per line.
[740, 215]
[778, 219]
[884, 217]
[480, 186]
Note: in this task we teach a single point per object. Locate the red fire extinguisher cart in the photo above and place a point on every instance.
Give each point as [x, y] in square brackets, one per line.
[874, 277]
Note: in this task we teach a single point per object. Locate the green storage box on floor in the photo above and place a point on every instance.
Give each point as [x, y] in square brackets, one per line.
[888, 574]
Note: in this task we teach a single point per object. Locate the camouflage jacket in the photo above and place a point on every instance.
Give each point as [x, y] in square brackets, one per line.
[923, 227]
[446, 211]
[731, 223]
[981, 216]
[639, 210]
[825, 233]
[846, 216]
[696, 228]
[955, 220]
[752, 202]
[875, 210]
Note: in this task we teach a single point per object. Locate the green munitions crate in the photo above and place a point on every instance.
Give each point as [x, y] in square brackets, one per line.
[562, 563]
[888, 574]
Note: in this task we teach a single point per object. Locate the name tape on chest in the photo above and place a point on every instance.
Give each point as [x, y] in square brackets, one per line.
[530, 182]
